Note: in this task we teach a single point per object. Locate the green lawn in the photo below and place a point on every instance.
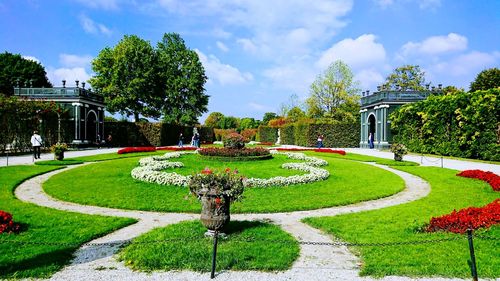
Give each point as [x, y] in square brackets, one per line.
[250, 245]
[112, 186]
[43, 225]
[399, 223]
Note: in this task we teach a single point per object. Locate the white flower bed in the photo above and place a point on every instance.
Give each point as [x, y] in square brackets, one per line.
[150, 170]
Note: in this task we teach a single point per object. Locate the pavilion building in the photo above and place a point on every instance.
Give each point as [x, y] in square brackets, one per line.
[376, 108]
[85, 109]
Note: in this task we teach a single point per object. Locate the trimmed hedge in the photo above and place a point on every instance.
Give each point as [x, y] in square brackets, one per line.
[152, 134]
[335, 135]
[267, 134]
[462, 125]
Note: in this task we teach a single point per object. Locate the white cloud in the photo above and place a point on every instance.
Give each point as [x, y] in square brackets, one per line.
[357, 53]
[369, 78]
[222, 46]
[69, 74]
[422, 4]
[68, 60]
[223, 73]
[247, 45]
[100, 4]
[221, 33]
[92, 27]
[436, 45]
[295, 77]
[467, 64]
[273, 30]
[31, 58]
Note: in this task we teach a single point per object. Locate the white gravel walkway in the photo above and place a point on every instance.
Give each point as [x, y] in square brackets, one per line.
[316, 262]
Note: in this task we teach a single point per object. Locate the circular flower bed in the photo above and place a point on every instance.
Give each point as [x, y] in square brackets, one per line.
[230, 154]
[151, 170]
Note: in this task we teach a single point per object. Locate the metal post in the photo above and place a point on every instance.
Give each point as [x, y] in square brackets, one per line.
[7, 158]
[473, 266]
[441, 161]
[214, 255]
[421, 159]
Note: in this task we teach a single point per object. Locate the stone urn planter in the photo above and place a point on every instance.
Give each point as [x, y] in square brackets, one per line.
[59, 156]
[215, 214]
[216, 191]
[398, 157]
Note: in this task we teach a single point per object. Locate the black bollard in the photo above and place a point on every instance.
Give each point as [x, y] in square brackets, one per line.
[214, 255]
[472, 256]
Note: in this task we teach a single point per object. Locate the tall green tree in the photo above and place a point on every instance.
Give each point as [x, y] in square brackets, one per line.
[406, 77]
[14, 68]
[126, 76]
[213, 120]
[182, 80]
[334, 94]
[486, 79]
[248, 123]
[268, 116]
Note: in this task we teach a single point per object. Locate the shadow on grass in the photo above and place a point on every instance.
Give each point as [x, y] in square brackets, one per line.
[25, 268]
[236, 227]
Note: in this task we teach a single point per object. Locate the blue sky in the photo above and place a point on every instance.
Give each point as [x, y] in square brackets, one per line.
[258, 53]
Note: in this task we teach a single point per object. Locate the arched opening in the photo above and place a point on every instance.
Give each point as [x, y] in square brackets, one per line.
[91, 129]
[371, 125]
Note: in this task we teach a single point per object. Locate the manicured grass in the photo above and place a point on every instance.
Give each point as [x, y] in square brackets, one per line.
[113, 156]
[63, 162]
[250, 245]
[112, 186]
[366, 158]
[400, 223]
[43, 225]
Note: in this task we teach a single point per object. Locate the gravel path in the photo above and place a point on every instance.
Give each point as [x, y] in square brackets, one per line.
[95, 262]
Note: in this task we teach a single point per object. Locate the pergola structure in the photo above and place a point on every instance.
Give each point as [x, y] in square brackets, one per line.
[376, 108]
[85, 108]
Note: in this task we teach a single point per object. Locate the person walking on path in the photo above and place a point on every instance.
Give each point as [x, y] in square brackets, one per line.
[370, 141]
[36, 143]
[320, 141]
[181, 140]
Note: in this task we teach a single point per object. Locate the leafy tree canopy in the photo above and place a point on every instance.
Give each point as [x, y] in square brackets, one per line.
[182, 80]
[334, 94]
[406, 77]
[486, 79]
[248, 123]
[268, 116]
[125, 75]
[214, 119]
[137, 79]
[295, 113]
[14, 68]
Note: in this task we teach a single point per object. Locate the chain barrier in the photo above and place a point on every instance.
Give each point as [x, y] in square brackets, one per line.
[246, 240]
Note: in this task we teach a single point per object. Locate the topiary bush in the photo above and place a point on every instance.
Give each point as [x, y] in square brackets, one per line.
[234, 141]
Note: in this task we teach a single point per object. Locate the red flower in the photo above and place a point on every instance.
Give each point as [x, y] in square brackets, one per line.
[7, 225]
[218, 201]
[472, 217]
[491, 178]
[206, 171]
[227, 170]
[136, 149]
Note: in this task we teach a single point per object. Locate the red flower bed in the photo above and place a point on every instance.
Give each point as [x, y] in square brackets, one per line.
[231, 152]
[472, 217]
[329, 150]
[176, 148]
[136, 149]
[491, 178]
[7, 225]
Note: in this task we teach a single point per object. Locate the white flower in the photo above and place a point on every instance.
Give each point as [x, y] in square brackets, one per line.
[151, 170]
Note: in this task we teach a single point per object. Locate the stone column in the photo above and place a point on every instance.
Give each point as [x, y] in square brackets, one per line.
[77, 106]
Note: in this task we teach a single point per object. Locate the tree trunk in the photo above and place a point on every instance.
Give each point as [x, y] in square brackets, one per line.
[136, 117]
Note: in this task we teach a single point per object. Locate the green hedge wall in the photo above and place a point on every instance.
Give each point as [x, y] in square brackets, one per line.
[287, 134]
[152, 134]
[335, 135]
[462, 125]
[267, 134]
